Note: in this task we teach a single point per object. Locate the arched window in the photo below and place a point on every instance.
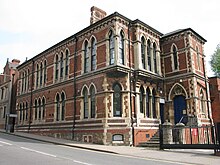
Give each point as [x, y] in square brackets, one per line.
[92, 95]
[198, 58]
[56, 67]
[111, 48]
[35, 110]
[67, 63]
[86, 57]
[23, 112]
[63, 106]
[117, 109]
[141, 99]
[37, 79]
[20, 117]
[149, 55]
[39, 109]
[143, 47]
[45, 71]
[57, 107]
[154, 104]
[22, 80]
[25, 81]
[93, 54]
[28, 74]
[61, 64]
[26, 111]
[85, 103]
[43, 104]
[148, 102]
[175, 58]
[121, 48]
[155, 57]
[41, 74]
[202, 102]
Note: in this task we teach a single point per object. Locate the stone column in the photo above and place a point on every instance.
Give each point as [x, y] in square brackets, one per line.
[180, 133]
[167, 133]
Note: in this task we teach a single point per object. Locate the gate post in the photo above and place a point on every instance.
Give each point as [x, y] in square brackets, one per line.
[180, 133]
[167, 133]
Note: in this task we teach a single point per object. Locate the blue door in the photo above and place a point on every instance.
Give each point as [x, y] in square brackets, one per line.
[179, 106]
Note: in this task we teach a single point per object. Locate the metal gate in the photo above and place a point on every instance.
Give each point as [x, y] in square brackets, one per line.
[185, 137]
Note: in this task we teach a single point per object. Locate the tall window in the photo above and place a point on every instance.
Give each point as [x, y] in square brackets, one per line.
[20, 117]
[67, 63]
[143, 52]
[45, 71]
[26, 111]
[121, 48]
[57, 107]
[155, 57]
[63, 106]
[28, 74]
[141, 99]
[4, 112]
[35, 111]
[86, 57]
[92, 95]
[198, 59]
[149, 55]
[23, 112]
[111, 48]
[61, 65]
[117, 109]
[93, 54]
[22, 80]
[148, 102]
[85, 102]
[175, 58]
[25, 81]
[41, 74]
[37, 79]
[39, 108]
[43, 104]
[202, 102]
[154, 104]
[56, 67]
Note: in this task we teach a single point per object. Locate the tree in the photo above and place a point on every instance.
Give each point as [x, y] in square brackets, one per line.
[215, 61]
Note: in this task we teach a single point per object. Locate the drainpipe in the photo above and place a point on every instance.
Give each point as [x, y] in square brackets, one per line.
[130, 81]
[31, 101]
[74, 88]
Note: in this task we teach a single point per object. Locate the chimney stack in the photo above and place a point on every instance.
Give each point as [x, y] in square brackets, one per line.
[96, 14]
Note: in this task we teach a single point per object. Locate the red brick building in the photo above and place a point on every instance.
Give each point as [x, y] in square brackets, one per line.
[114, 82]
[214, 83]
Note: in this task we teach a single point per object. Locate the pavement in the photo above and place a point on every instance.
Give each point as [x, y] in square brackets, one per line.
[183, 156]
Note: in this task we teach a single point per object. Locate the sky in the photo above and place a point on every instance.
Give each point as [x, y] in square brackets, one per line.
[28, 27]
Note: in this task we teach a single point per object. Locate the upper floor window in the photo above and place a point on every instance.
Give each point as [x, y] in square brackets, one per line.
[37, 73]
[111, 48]
[121, 48]
[25, 80]
[155, 57]
[93, 54]
[143, 47]
[41, 74]
[198, 58]
[67, 63]
[28, 75]
[61, 64]
[175, 58]
[56, 67]
[86, 57]
[45, 71]
[92, 101]
[117, 101]
[22, 82]
[85, 103]
[149, 55]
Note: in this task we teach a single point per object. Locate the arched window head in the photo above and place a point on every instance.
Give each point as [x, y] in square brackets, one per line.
[86, 57]
[93, 54]
[175, 58]
[141, 99]
[117, 101]
[155, 57]
[121, 48]
[85, 103]
[111, 48]
[67, 62]
[149, 55]
[143, 47]
[92, 101]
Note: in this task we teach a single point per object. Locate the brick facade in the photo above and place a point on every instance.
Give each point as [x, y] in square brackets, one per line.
[125, 84]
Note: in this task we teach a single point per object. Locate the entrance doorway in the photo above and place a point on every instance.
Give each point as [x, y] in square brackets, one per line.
[179, 106]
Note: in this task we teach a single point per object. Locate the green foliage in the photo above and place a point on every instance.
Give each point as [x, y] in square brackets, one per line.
[215, 61]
